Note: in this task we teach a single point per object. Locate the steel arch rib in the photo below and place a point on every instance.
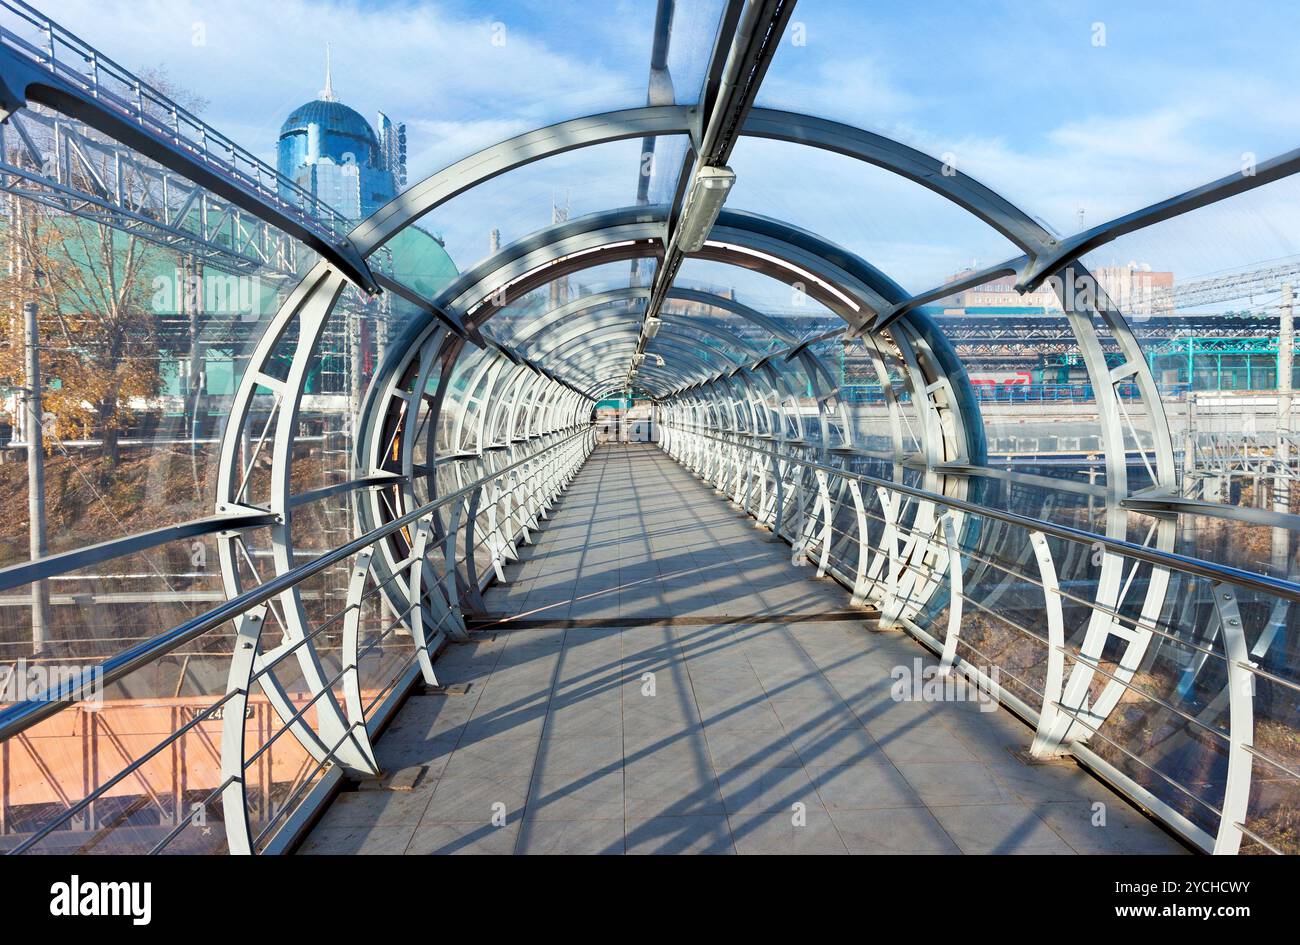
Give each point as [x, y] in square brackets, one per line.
[658, 120]
[562, 313]
[667, 338]
[309, 305]
[917, 166]
[617, 354]
[512, 153]
[653, 121]
[619, 300]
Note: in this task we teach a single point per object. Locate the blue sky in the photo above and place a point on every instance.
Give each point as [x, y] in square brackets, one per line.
[1062, 106]
[1031, 103]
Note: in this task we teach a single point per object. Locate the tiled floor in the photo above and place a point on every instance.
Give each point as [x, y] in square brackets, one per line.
[676, 731]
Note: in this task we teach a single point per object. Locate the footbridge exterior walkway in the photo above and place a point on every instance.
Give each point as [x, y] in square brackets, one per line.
[655, 676]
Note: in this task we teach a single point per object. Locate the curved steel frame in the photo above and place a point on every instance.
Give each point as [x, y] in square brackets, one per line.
[857, 292]
[451, 406]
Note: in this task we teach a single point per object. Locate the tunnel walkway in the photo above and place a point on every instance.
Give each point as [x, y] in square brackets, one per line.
[656, 677]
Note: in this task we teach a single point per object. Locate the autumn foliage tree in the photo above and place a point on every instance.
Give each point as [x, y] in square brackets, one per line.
[98, 344]
[98, 335]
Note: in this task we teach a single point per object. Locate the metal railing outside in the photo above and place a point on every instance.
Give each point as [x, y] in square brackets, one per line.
[1222, 773]
[332, 723]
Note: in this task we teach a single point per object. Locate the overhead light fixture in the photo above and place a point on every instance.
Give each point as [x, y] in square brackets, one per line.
[651, 326]
[708, 192]
[659, 359]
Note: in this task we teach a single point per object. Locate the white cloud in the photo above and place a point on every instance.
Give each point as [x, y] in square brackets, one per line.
[1128, 129]
[836, 86]
[255, 63]
[435, 143]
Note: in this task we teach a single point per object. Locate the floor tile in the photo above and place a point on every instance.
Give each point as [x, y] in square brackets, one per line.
[785, 833]
[377, 808]
[999, 829]
[439, 839]
[866, 786]
[955, 784]
[903, 830]
[652, 789]
[363, 840]
[571, 837]
[700, 834]
[477, 800]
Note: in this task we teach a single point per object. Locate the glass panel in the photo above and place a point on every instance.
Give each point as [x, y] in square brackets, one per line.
[471, 76]
[792, 310]
[1032, 389]
[137, 374]
[530, 198]
[523, 317]
[694, 31]
[96, 613]
[912, 235]
[1205, 293]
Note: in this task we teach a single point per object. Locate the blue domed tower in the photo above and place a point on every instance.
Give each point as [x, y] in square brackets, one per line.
[330, 151]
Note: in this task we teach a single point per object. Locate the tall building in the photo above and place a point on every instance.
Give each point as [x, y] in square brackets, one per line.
[330, 151]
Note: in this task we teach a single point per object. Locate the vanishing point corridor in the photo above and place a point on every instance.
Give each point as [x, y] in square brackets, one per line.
[658, 678]
[651, 427]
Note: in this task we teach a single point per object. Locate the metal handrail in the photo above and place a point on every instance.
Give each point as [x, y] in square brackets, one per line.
[789, 470]
[22, 715]
[1186, 564]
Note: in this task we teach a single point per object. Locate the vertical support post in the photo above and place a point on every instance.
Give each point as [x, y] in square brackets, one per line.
[1047, 737]
[778, 502]
[1282, 459]
[356, 357]
[955, 592]
[1241, 722]
[353, 704]
[891, 605]
[234, 728]
[415, 587]
[35, 474]
[861, 585]
[450, 572]
[192, 302]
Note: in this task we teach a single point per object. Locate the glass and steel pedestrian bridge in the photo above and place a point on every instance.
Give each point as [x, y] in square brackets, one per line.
[401, 589]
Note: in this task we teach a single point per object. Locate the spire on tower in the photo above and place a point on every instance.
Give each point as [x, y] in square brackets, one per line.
[327, 93]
